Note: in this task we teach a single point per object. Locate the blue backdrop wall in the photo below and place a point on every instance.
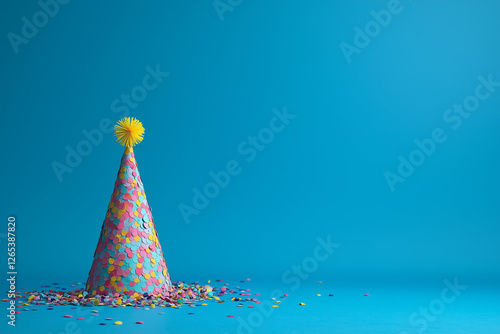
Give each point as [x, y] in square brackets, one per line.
[372, 126]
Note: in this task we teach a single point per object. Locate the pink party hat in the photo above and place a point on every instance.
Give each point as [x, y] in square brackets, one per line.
[128, 258]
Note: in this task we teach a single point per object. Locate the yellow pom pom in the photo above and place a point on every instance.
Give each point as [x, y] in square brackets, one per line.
[129, 131]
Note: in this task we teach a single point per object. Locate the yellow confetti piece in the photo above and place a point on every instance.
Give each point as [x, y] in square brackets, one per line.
[118, 322]
[319, 295]
[320, 282]
[302, 304]
[275, 306]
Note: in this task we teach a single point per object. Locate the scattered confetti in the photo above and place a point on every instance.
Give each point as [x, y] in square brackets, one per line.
[118, 322]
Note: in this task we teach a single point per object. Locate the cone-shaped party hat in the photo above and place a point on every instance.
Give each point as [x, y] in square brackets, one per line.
[128, 258]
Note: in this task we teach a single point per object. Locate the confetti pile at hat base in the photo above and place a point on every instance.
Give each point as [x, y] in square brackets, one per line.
[178, 294]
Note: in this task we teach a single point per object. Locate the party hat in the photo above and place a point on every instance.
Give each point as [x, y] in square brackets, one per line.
[128, 258]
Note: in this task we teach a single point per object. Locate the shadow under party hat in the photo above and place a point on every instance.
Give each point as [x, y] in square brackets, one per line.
[128, 258]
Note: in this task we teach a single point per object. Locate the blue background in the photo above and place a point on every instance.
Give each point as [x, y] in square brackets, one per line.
[322, 175]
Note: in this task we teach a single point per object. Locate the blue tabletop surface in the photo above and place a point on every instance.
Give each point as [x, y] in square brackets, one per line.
[393, 308]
